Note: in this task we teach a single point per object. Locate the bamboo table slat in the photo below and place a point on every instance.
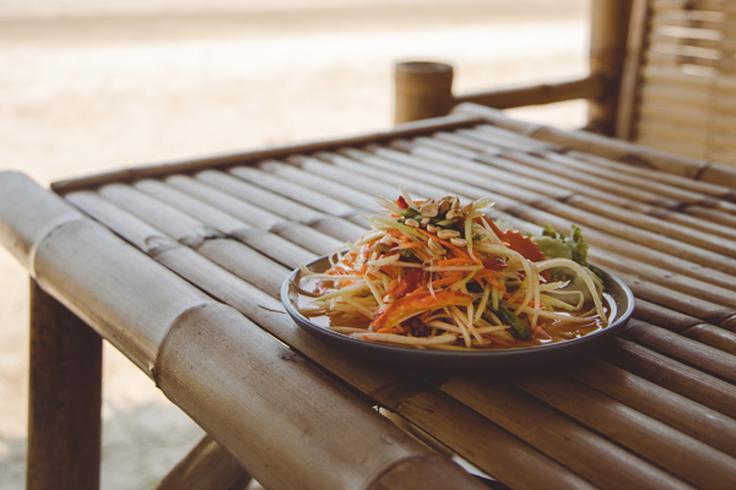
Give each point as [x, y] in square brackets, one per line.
[210, 241]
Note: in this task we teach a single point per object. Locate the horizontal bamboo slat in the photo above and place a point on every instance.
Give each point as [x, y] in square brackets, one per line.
[687, 458]
[193, 346]
[490, 447]
[570, 444]
[265, 310]
[589, 87]
[611, 148]
[661, 222]
[719, 338]
[663, 316]
[675, 376]
[135, 173]
[690, 417]
[689, 351]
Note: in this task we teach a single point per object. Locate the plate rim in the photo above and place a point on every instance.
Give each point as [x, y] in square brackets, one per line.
[301, 320]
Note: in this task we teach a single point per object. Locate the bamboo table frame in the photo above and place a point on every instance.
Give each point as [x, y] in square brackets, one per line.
[178, 266]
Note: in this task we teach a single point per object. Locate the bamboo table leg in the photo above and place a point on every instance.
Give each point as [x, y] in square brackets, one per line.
[64, 398]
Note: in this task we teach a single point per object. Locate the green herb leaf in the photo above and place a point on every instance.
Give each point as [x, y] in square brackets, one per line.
[519, 328]
[554, 244]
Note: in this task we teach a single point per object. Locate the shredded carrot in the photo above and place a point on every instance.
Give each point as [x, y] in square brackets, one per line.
[448, 279]
[414, 304]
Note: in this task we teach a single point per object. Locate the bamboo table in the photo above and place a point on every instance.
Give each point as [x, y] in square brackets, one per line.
[178, 266]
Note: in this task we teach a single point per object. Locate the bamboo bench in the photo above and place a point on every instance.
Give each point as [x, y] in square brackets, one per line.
[178, 266]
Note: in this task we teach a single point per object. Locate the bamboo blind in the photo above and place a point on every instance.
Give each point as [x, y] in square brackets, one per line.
[682, 78]
[656, 409]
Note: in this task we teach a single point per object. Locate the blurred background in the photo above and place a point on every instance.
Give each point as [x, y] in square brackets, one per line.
[87, 86]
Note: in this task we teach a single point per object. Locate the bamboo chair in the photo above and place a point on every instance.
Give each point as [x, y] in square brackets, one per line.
[662, 73]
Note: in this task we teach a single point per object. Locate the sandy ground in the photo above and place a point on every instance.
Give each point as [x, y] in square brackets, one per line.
[96, 89]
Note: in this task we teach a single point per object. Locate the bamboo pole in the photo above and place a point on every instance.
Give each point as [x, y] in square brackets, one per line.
[619, 150]
[422, 89]
[686, 457]
[609, 23]
[674, 375]
[266, 311]
[703, 423]
[242, 158]
[663, 316]
[484, 444]
[210, 359]
[678, 347]
[589, 87]
[271, 444]
[571, 444]
[631, 77]
[717, 337]
[64, 398]
[207, 466]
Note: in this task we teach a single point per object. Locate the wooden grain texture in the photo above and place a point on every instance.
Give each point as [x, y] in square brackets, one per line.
[707, 188]
[630, 80]
[703, 423]
[422, 89]
[232, 234]
[193, 347]
[68, 267]
[494, 180]
[689, 351]
[64, 398]
[571, 444]
[555, 180]
[296, 192]
[685, 457]
[359, 199]
[675, 376]
[207, 466]
[245, 292]
[609, 24]
[288, 446]
[483, 444]
[717, 337]
[611, 148]
[589, 87]
[674, 192]
[157, 170]
[435, 473]
[685, 80]
[28, 216]
[663, 316]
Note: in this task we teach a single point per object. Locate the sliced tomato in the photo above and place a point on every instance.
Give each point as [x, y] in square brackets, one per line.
[407, 283]
[518, 242]
[524, 245]
[495, 263]
[414, 304]
[401, 202]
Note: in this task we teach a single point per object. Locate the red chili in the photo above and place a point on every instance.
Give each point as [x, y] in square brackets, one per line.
[401, 202]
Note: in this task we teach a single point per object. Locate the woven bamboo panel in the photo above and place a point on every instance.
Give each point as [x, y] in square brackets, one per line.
[684, 98]
[657, 409]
